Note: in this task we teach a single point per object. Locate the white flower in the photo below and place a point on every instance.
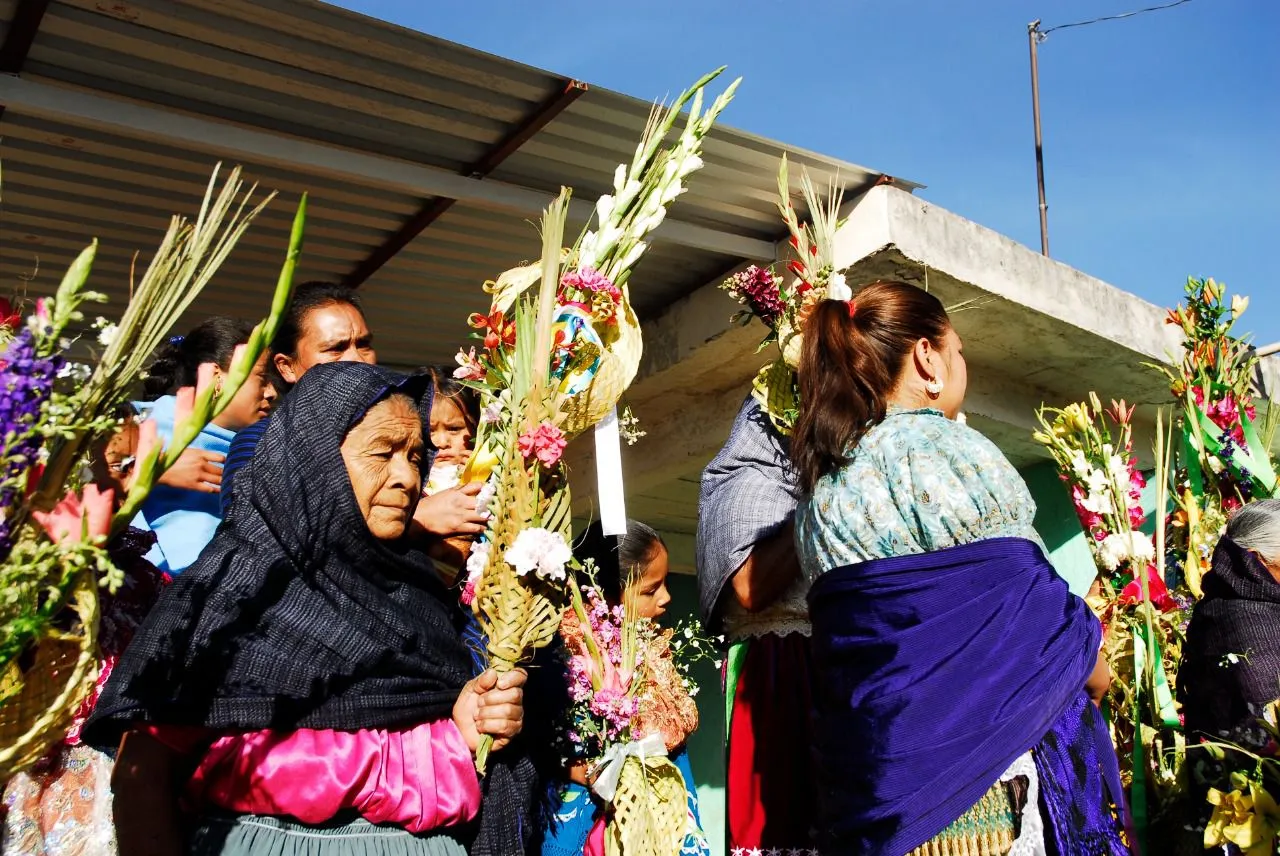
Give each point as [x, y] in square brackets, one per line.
[107, 335]
[1080, 464]
[540, 552]
[485, 497]
[838, 289]
[1215, 464]
[962, 419]
[1097, 503]
[478, 560]
[604, 207]
[76, 371]
[1118, 470]
[1121, 547]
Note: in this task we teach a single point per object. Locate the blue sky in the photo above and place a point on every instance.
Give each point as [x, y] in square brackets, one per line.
[1162, 132]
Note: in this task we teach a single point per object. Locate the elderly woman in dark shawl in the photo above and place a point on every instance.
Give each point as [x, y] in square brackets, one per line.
[1231, 660]
[306, 679]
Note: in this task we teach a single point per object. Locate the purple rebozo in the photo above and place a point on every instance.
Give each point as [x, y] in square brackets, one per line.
[937, 671]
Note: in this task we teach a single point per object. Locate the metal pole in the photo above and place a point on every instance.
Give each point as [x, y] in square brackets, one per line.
[1033, 33]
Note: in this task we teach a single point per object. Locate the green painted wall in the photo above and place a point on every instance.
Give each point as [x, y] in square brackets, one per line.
[1057, 524]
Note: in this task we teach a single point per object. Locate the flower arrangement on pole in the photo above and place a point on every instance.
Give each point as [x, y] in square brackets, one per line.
[784, 308]
[1223, 457]
[1142, 618]
[553, 363]
[54, 525]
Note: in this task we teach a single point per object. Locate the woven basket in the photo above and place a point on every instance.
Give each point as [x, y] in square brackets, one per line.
[39, 703]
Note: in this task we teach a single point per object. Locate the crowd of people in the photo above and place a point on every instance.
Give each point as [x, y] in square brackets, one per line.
[289, 670]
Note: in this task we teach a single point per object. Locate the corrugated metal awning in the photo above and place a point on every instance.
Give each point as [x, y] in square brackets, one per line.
[122, 107]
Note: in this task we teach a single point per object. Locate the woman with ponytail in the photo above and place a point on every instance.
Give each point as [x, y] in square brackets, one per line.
[952, 663]
[184, 512]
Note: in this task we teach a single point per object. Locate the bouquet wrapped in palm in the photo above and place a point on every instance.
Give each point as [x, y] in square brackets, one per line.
[632, 705]
[54, 526]
[554, 363]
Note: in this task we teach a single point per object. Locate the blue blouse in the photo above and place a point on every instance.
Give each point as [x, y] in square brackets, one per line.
[915, 483]
[184, 520]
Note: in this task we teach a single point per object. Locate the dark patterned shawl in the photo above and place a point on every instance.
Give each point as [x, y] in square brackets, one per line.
[295, 616]
[1231, 659]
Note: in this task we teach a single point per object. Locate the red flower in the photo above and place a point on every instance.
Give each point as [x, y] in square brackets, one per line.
[498, 330]
[10, 317]
[1160, 599]
[796, 268]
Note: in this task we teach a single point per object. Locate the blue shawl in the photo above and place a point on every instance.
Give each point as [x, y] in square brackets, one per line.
[936, 671]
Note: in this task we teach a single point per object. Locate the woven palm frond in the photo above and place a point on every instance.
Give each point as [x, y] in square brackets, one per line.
[650, 809]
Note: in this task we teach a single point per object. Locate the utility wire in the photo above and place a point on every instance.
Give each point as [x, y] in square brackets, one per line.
[1043, 33]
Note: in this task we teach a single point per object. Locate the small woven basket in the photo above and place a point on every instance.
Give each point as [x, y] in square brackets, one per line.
[38, 703]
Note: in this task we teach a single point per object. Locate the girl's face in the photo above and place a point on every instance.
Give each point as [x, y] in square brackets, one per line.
[113, 460]
[450, 433]
[252, 401]
[650, 587]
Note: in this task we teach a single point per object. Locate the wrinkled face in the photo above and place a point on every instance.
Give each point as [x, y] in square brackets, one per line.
[383, 454]
[650, 588]
[332, 333]
[253, 400]
[954, 374]
[450, 434]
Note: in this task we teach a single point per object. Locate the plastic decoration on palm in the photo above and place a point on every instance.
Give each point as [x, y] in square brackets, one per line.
[552, 363]
[632, 705]
[54, 526]
[1223, 457]
[783, 307]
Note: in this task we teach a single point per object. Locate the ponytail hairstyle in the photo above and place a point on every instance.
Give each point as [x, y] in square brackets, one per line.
[617, 558]
[852, 358]
[178, 361]
[444, 384]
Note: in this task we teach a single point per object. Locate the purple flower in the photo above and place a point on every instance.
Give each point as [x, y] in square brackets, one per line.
[26, 382]
[757, 287]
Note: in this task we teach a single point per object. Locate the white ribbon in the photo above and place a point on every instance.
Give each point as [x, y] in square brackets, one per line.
[610, 764]
[613, 506]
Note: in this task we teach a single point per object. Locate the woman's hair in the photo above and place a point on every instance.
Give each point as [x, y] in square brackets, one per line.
[306, 297]
[1256, 527]
[852, 357]
[444, 384]
[616, 558]
[178, 361]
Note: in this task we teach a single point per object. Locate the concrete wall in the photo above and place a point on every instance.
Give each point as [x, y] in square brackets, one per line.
[1057, 524]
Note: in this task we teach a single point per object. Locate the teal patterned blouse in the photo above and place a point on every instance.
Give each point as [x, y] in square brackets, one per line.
[916, 482]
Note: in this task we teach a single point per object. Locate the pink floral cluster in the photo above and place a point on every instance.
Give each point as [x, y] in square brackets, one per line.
[1225, 413]
[592, 289]
[612, 704]
[546, 443]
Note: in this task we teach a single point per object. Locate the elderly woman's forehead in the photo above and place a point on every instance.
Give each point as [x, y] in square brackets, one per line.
[395, 408]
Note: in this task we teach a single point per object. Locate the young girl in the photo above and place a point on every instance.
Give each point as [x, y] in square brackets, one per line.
[633, 567]
[447, 511]
[184, 519]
